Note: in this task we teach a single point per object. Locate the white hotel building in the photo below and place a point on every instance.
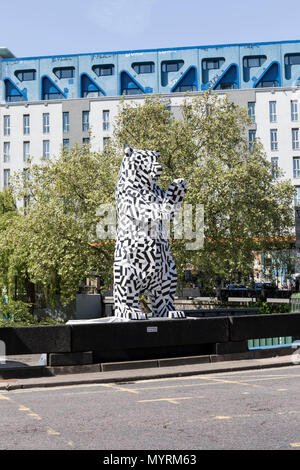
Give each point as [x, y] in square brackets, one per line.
[51, 101]
[40, 129]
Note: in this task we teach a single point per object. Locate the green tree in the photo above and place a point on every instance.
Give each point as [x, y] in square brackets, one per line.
[8, 213]
[246, 209]
[55, 235]
[53, 244]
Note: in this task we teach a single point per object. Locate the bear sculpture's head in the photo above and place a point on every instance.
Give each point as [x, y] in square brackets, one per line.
[139, 169]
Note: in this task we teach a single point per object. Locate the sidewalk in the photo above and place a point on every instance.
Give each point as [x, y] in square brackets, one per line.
[136, 370]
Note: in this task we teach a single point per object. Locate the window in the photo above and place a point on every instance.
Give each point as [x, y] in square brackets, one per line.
[85, 120]
[187, 83]
[86, 141]
[210, 64]
[274, 162]
[132, 91]
[66, 122]
[294, 110]
[12, 93]
[226, 86]
[274, 141]
[292, 59]
[254, 61]
[26, 202]
[272, 111]
[271, 77]
[252, 136]
[91, 94]
[229, 80]
[267, 84]
[171, 65]
[50, 91]
[143, 67]
[53, 96]
[26, 124]
[297, 196]
[6, 176]
[26, 151]
[128, 85]
[6, 125]
[46, 123]
[250, 62]
[89, 88]
[6, 151]
[64, 72]
[106, 141]
[184, 88]
[105, 116]
[295, 139]
[251, 110]
[66, 144]
[296, 167]
[103, 70]
[46, 149]
[26, 174]
[25, 75]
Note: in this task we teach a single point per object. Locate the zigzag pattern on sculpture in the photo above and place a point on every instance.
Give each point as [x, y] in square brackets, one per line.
[143, 260]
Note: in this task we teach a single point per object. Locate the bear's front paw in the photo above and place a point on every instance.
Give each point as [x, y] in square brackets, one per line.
[130, 313]
[180, 183]
[138, 316]
[176, 314]
[176, 191]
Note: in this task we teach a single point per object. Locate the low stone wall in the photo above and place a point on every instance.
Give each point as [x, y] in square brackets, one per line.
[147, 339]
[36, 339]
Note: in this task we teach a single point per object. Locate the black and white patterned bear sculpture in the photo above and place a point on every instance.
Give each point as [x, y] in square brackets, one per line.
[143, 260]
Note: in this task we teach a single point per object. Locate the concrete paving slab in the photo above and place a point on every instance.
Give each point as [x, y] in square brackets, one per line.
[133, 375]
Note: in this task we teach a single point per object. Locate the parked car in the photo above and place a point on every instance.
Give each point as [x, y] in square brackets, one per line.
[232, 290]
[236, 287]
[263, 285]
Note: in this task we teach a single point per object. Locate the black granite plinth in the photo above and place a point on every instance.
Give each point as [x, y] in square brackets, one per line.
[36, 339]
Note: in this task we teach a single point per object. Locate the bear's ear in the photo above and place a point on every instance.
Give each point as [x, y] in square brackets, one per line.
[128, 151]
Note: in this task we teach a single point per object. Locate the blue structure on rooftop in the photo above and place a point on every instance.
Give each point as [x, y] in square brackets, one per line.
[221, 67]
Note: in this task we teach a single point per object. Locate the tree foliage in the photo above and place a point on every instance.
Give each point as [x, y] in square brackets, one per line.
[53, 243]
[245, 208]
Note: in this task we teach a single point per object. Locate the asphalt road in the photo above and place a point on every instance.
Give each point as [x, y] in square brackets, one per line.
[253, 410]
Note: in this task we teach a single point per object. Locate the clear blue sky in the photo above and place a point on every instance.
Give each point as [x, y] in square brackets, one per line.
[32, 27]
